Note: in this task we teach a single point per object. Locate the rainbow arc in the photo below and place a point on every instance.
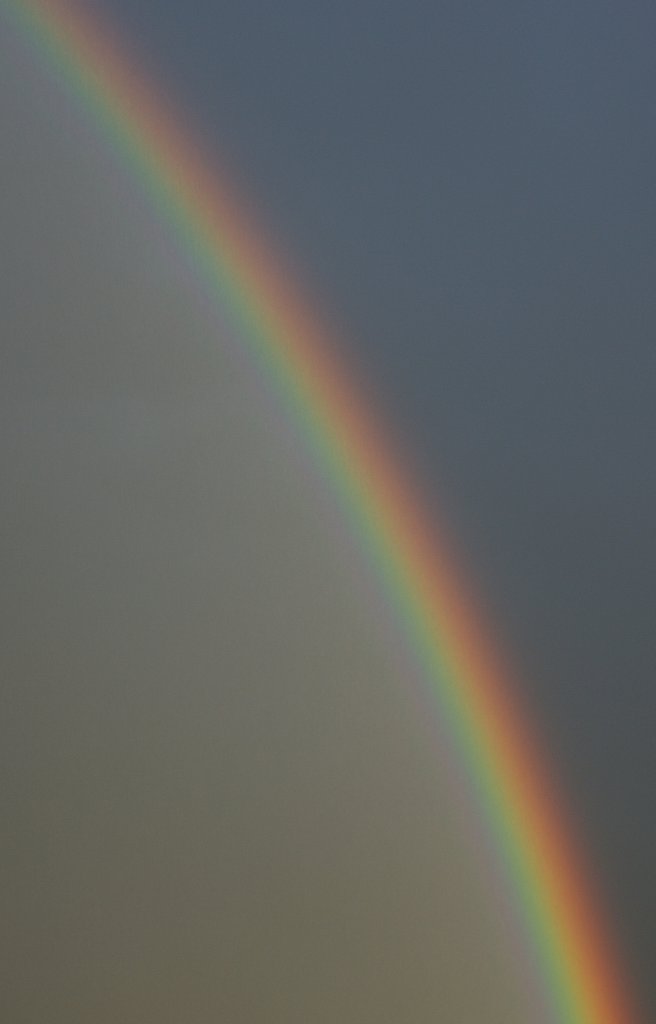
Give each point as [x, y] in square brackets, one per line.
[472, 691]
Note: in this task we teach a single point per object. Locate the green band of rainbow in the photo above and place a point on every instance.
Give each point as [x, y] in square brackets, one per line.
[471, 692]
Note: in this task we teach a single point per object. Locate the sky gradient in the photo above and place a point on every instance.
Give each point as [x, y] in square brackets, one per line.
[548, 506]
[469, 190]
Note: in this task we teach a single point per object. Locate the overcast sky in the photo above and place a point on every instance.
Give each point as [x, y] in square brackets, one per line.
[467, 189]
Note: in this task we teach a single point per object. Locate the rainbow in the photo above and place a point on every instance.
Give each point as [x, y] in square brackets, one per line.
[559, 918]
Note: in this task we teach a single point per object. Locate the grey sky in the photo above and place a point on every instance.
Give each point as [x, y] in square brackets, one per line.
[222, 796]
[469, 188]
